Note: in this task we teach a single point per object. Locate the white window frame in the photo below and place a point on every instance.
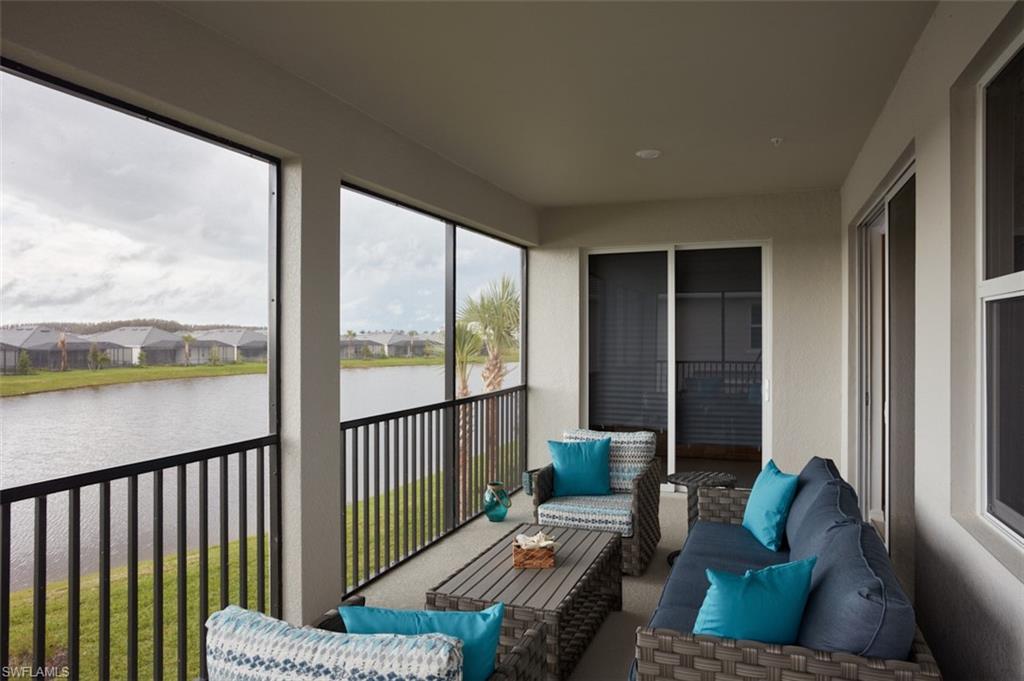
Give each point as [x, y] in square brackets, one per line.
[988, 290]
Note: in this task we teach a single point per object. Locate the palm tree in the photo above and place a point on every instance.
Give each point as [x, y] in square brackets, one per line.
[467, 347]
[494, 316]
[62, 345]
[350, 349]
[412, 340]
[189, 340]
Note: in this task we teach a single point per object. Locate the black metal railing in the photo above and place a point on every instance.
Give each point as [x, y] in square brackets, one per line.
[409, 477]
[111, 610]
[728, 377]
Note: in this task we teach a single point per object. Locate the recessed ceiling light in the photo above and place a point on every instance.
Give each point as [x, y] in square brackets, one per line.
[776, 141]
[648, 154]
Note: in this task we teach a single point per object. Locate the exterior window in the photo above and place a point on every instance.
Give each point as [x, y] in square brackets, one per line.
[1001, 294]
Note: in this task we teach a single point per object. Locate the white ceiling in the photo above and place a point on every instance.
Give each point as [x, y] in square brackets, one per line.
[549, 100]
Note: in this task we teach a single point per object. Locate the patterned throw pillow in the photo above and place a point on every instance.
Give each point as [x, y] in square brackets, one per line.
[242, 645]
[630, 453]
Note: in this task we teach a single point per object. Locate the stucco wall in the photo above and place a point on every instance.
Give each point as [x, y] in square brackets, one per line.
[970, 606]
[806, 285]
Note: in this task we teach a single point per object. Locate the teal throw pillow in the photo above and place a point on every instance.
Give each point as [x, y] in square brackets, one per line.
[581, 468]
[761, 605]
[768, 506]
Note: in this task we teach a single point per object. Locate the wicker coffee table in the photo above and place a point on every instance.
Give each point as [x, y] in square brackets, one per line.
[572, 599]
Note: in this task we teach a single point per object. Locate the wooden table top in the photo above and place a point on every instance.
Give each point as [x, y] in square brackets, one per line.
[491, 577]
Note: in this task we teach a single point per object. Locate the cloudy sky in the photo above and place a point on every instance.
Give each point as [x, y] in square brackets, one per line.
[105, 216]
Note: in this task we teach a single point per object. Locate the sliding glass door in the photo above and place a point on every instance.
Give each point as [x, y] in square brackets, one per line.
[628, 342]
[718, 339]
[693, 371]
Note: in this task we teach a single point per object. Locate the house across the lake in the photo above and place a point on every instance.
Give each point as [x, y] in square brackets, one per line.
[237, 345]
[389, 344]
[43, 346]
[159, 346]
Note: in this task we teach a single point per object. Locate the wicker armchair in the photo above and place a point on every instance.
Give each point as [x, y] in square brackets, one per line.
[638, 549]
[520, 660]
[667, 655]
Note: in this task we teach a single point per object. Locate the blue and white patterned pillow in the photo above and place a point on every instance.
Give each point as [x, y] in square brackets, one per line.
[242, 645]
[629, 455]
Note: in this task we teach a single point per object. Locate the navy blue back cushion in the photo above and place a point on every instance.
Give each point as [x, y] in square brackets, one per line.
[856, 604]
[815, 474]
[835, 505]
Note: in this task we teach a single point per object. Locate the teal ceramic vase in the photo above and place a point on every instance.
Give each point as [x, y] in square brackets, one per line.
[496, 501]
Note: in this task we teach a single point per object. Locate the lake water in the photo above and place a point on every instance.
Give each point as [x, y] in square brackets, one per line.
[61, 433]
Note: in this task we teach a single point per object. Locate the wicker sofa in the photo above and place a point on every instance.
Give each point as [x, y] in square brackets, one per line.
[631, 509]
[523, 659]
[668, 650]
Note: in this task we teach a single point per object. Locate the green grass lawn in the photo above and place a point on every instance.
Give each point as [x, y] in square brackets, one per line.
[416, 534]
[429, 360]
[57, 607]
[47, 381]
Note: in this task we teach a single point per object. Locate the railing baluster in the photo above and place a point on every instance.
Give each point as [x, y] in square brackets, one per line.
[428, 509]
[222, 484]
[39, 586]
[275, 531]
[387, 493]
[204, 560]
[133, 577]
[405, 486]
[243, 529]
[182, 613]
[261, 545]
[74, 579]
[377, 548]
[5, 586]
[355, 507]
[104, 639]
[343, 486]
[432, 477]
[481, 454]
[158, 575]
[366, 504]
[421, 515]
[438, 476]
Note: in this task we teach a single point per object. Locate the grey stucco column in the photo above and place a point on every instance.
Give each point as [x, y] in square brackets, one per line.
[310, 437]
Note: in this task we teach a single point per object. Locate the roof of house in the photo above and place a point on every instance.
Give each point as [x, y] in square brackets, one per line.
[139, 337]
[42, 338]
[242, 338]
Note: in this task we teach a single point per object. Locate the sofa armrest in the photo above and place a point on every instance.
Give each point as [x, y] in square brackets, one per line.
[331, 620]
[543, 486]
[527, 660]
[722, 504]
[668, 654]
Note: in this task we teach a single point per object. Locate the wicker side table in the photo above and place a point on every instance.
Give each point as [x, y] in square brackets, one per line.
[692, 481]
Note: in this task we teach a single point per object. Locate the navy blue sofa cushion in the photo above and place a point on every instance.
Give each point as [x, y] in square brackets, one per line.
[681, 618]
[719, 546]
[815, 475]
[834, 505]
[856, 603]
